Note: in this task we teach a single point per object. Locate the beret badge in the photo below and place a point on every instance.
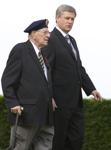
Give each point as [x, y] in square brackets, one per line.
[46, 22]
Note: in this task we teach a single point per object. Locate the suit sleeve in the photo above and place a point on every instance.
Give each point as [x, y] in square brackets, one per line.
[87, 84]
[11, 77]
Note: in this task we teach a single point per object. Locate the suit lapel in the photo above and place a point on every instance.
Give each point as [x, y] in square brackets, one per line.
[75, 46]
[46, 62]
[64, 42]
[47, 66]
[34, 56]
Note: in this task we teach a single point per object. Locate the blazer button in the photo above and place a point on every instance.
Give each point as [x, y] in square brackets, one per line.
[47, 99]
[48, 86]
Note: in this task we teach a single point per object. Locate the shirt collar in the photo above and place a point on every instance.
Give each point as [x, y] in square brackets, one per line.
[63, 33]
[35, 48]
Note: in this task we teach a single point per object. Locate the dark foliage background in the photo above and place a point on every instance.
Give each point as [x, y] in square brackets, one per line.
[97, 135]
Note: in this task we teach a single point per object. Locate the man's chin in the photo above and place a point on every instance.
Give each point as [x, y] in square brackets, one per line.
[67, 31]
[45, 44]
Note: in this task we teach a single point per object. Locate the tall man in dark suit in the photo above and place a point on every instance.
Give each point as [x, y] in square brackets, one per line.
[26, 83]
[68, 77]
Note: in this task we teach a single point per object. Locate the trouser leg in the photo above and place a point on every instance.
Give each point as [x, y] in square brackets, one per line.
[75, 132]
[61, 119]
[24, 136]
[69, 129]
[44, 140]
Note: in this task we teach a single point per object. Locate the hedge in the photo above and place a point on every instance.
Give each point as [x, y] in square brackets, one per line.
[97, 134]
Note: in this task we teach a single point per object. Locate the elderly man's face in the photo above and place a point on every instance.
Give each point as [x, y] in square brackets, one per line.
[41, 37]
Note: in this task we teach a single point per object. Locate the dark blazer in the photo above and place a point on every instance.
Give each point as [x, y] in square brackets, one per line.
[24, 84]
[68, 74]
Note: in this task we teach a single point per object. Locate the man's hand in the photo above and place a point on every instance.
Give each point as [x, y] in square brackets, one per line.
[54, 104]
[17, 109]
[96, 95]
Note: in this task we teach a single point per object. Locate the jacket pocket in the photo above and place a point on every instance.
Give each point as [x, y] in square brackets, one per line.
[27, 101]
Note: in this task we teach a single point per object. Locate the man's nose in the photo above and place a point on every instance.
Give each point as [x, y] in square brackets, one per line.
[48, 35]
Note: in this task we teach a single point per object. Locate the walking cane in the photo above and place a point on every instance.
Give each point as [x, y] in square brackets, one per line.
[11, 147]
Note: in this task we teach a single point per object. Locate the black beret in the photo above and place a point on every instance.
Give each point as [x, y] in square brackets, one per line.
[36, 25]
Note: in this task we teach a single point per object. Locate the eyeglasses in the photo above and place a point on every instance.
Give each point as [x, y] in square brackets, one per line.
[44, 32]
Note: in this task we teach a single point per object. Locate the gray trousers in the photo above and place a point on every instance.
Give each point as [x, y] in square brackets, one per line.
[26, 135]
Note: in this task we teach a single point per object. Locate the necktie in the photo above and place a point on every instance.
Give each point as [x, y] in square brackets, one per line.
[69, 42]
[41, 60]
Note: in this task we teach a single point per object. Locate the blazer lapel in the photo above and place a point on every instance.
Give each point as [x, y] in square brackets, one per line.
[65, 43]
[34, 56]
[47, 66]
[46, 62]
[75, 46]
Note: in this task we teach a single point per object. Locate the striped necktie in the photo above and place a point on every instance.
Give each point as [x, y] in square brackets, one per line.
[72, 47]
[41, 60]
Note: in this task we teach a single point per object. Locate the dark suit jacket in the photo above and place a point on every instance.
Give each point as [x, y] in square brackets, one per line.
[68, 74]
[24, 84]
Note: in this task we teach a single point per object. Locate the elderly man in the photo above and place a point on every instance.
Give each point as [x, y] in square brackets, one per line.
[26, 83]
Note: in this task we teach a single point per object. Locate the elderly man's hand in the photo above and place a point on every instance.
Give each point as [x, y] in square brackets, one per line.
[96, 95]
[17, 109]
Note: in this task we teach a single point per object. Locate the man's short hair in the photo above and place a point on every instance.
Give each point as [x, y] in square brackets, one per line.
[63, 8]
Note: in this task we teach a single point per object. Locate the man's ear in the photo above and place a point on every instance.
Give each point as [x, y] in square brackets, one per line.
[33, 34]
[57, 18]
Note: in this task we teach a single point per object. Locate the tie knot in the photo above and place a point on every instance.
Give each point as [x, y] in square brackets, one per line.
[67, 36]
[39, 53]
